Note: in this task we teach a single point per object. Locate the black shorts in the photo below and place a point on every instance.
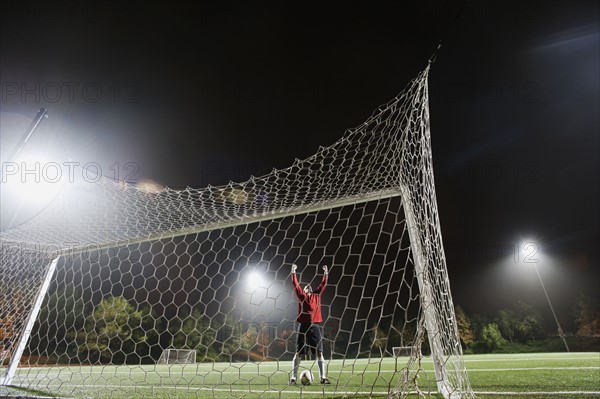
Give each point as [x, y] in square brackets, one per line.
[309, 337]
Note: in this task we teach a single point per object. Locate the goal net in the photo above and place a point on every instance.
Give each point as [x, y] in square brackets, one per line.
[101, 287]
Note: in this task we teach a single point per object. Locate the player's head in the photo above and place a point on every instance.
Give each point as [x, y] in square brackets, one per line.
[307, 289]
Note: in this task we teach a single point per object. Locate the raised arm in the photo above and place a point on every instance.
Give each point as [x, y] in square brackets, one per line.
[297, 288]
[323, 283]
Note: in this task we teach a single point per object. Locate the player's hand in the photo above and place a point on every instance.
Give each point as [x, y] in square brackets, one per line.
[294, 267]
[325, 269]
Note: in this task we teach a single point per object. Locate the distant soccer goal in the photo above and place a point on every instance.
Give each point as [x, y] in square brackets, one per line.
[401, 351]
[101, 285]
[177, 356]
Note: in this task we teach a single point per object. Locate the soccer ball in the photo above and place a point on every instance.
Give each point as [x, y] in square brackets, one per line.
[306, 377]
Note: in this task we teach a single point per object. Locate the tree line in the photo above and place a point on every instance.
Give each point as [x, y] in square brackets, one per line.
[522, 324]
[70, 330]
[114, 331]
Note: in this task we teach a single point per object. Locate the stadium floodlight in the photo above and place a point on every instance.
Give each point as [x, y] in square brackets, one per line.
[33, 178]
[42, 113]
[255, 280]
[531, 248]
[28, 179]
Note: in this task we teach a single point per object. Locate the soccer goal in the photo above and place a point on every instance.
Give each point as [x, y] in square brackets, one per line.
[177, 356]
[401, 351]
[114, 291]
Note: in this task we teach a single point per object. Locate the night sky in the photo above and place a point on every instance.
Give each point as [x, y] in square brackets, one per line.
[197, 93]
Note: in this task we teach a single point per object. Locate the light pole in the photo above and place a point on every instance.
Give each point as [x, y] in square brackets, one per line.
[530, 258]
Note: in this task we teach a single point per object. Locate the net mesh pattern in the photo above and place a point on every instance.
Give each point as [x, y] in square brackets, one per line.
[207, 271]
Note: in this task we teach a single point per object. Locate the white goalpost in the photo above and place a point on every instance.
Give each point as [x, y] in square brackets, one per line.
[113, 291]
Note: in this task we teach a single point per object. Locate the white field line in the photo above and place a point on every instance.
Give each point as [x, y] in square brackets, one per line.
[266, 373]
[532, 359]
[539, 393]
[537, 368]
[387, 361]
[595, 356]
[308, 391]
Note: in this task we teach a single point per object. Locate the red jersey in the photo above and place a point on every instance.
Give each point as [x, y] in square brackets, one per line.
[309, 305]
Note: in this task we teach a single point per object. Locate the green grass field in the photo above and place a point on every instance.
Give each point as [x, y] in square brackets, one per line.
[548, 375]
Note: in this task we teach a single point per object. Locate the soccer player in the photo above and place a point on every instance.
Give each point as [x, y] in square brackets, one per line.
[309, 331]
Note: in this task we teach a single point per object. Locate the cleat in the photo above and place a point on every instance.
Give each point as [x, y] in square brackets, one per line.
[293, 381]
[325, 381]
